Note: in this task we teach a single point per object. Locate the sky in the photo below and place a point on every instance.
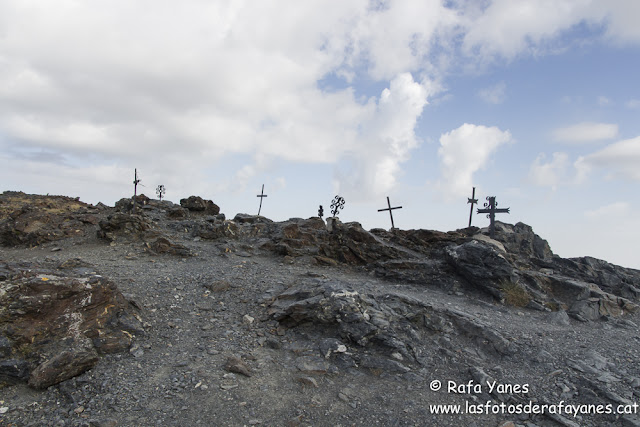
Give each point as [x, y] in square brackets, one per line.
[535, 102]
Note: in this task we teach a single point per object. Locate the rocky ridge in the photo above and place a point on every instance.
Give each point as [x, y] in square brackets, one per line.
[305, 323]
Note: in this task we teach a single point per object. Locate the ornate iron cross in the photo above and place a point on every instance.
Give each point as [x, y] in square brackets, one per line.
[490, 208]
[160, 191]
[261, 195]
[473, 201]
[390, 209]
[336, 205]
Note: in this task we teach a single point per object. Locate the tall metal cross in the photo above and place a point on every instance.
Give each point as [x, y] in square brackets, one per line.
[491, 209]
[261, 195]
[473, 201]
[136, 181]
[390, 209]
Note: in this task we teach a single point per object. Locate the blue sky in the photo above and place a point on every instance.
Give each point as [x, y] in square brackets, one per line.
[534, 102]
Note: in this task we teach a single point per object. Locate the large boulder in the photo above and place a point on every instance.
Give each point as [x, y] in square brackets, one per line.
[200, 205]
[55, 322]
[520, 241]
[483, 266]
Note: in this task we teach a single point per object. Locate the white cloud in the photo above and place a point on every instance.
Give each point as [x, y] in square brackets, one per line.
[509, 28]
[586, 132]
[618, 160]
[621, 18]
[549, 174]
[613, 210]
[373, 164]
[184, 86]
[464, 151]
[495, 94]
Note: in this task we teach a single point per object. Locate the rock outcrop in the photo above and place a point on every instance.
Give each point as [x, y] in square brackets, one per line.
[199, 205]
[55, 321]
[31, 220]
[382, 326]
[124, 226]
[516, 268]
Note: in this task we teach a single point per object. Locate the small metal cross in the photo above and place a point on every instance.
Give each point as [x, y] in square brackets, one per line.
[390, 209]
[491, 210]
[473, 201]
[336, 205]
[261, 195]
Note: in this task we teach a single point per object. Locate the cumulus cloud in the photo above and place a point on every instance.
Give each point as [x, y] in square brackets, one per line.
[181, 87]
[549, 174]
[386, 142]
[464, 151]
[617, 160]
[510, 28]
[495, 94]
[586, 132]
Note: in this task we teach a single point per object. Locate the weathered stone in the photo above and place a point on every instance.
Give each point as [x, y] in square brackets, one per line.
[238, 366]
[482, 265]
[162, 245]
[198, 204]
[58, 323]
[31, 220]
[177, 212]
[13, 371]
[124, 226]
[520, 240]
[78, 357]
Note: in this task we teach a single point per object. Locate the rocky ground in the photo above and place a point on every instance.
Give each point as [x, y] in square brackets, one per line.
[249, 322]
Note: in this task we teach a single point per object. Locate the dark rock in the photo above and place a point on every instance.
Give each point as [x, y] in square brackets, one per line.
[212, 231]
[237, 365]
[177, 212]
[482, 265]
[390, 323]
[124, 226]
[13, 371]
[520, 240]
[378, 363]
[162, 245]
[31, 220]
[126, 204]
[58, 323]
[78, 357]
[198, 204]
[243, 218]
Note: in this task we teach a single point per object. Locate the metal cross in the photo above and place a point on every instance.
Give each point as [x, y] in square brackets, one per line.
[390, 209]
[261, 195]
[136, 181]
[336, 205]
[491, 209]
[320, 211]
[473, 201]
[160, 191]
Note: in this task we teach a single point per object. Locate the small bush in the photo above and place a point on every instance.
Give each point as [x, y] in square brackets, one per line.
[514, 294]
